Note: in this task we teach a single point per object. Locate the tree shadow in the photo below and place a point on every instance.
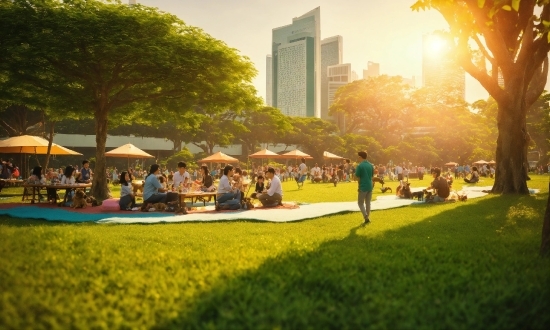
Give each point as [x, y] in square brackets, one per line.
[474, 266]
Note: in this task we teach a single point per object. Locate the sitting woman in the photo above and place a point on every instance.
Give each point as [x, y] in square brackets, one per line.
[152, 189]
[474, 178]
[68, 175]
[37, 178]
[127, 199]
[69, 179]
[207, 182]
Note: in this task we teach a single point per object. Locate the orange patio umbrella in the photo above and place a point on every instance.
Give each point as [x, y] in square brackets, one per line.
[28, 144]
[128, 151]
[451, 164]
[219, 157]
[294, 154]
[264, 154]
[328, 155]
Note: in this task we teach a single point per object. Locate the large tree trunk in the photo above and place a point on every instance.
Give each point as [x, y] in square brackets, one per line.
[99, 185]
[511, 154]
[545, 244]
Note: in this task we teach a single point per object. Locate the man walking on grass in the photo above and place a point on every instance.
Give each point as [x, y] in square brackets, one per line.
[364, 172]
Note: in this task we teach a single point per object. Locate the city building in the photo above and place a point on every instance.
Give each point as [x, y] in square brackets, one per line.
[269, 81]
[296, 66]
[337, 76]
[331, 54]
[439, 69]
[373, 70]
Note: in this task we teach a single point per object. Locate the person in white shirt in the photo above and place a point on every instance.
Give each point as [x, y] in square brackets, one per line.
[68, 176]
[302, 173]
[227, 195]
[274, 195]
[316, 174]
[399, 172]
[181, 177]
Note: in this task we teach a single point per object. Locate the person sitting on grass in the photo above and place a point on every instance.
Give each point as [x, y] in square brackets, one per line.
[474, 177]
[152, 189]
[259, 188]
[440, 185]
[227, 198]
[274, 195]
[127, 199]
[207, 182]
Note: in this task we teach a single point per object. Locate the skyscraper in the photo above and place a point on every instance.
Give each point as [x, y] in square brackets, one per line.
[373, 70]
[337, 76]
[331, 54]
[269, 81]
[296, 73]
[439, 69]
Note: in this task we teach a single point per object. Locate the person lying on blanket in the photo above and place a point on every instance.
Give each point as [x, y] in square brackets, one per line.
[274, 195]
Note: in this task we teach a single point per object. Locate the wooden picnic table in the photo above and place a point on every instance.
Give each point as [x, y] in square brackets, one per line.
[196, 196]
[36, 189]
[13, 182]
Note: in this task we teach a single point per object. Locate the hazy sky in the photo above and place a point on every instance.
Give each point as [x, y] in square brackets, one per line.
[383, 31]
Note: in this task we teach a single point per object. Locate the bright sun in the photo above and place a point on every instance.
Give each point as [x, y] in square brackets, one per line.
[434, 45]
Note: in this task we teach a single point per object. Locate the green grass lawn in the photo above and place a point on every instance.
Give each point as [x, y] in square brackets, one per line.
[458, 265]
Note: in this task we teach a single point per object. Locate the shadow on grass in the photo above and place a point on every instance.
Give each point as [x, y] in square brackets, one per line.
[475, 266]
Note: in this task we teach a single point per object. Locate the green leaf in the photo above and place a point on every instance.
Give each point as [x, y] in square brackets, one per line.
[546, 24]
[515, 5]
[507, 7]
[480, 3]
[548, 37]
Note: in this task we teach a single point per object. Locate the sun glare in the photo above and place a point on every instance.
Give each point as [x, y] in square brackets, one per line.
[434, 45]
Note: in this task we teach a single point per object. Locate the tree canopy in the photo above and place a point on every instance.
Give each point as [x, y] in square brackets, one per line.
[110, 61]
[504, 44]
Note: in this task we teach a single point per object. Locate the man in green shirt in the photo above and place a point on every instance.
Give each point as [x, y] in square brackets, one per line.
[364, 172]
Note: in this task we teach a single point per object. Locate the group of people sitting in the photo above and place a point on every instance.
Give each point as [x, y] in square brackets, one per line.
[440, 187]
[332, 173]
[68, 177]
[229, 193]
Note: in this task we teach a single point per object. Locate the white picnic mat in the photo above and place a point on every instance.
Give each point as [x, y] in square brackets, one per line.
[307, 211]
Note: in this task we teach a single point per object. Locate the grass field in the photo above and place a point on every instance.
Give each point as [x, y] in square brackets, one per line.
[472, 265]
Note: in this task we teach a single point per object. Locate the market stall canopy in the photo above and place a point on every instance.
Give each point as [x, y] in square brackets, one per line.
[128, 151]
[264, 154]
[328, 155]
[219, 157]
[28, 144]
[451, 164]
[492, 162]
[481, 162]
[296, 154]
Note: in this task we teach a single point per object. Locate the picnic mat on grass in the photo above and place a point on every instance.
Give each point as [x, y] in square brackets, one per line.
[288, 212]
